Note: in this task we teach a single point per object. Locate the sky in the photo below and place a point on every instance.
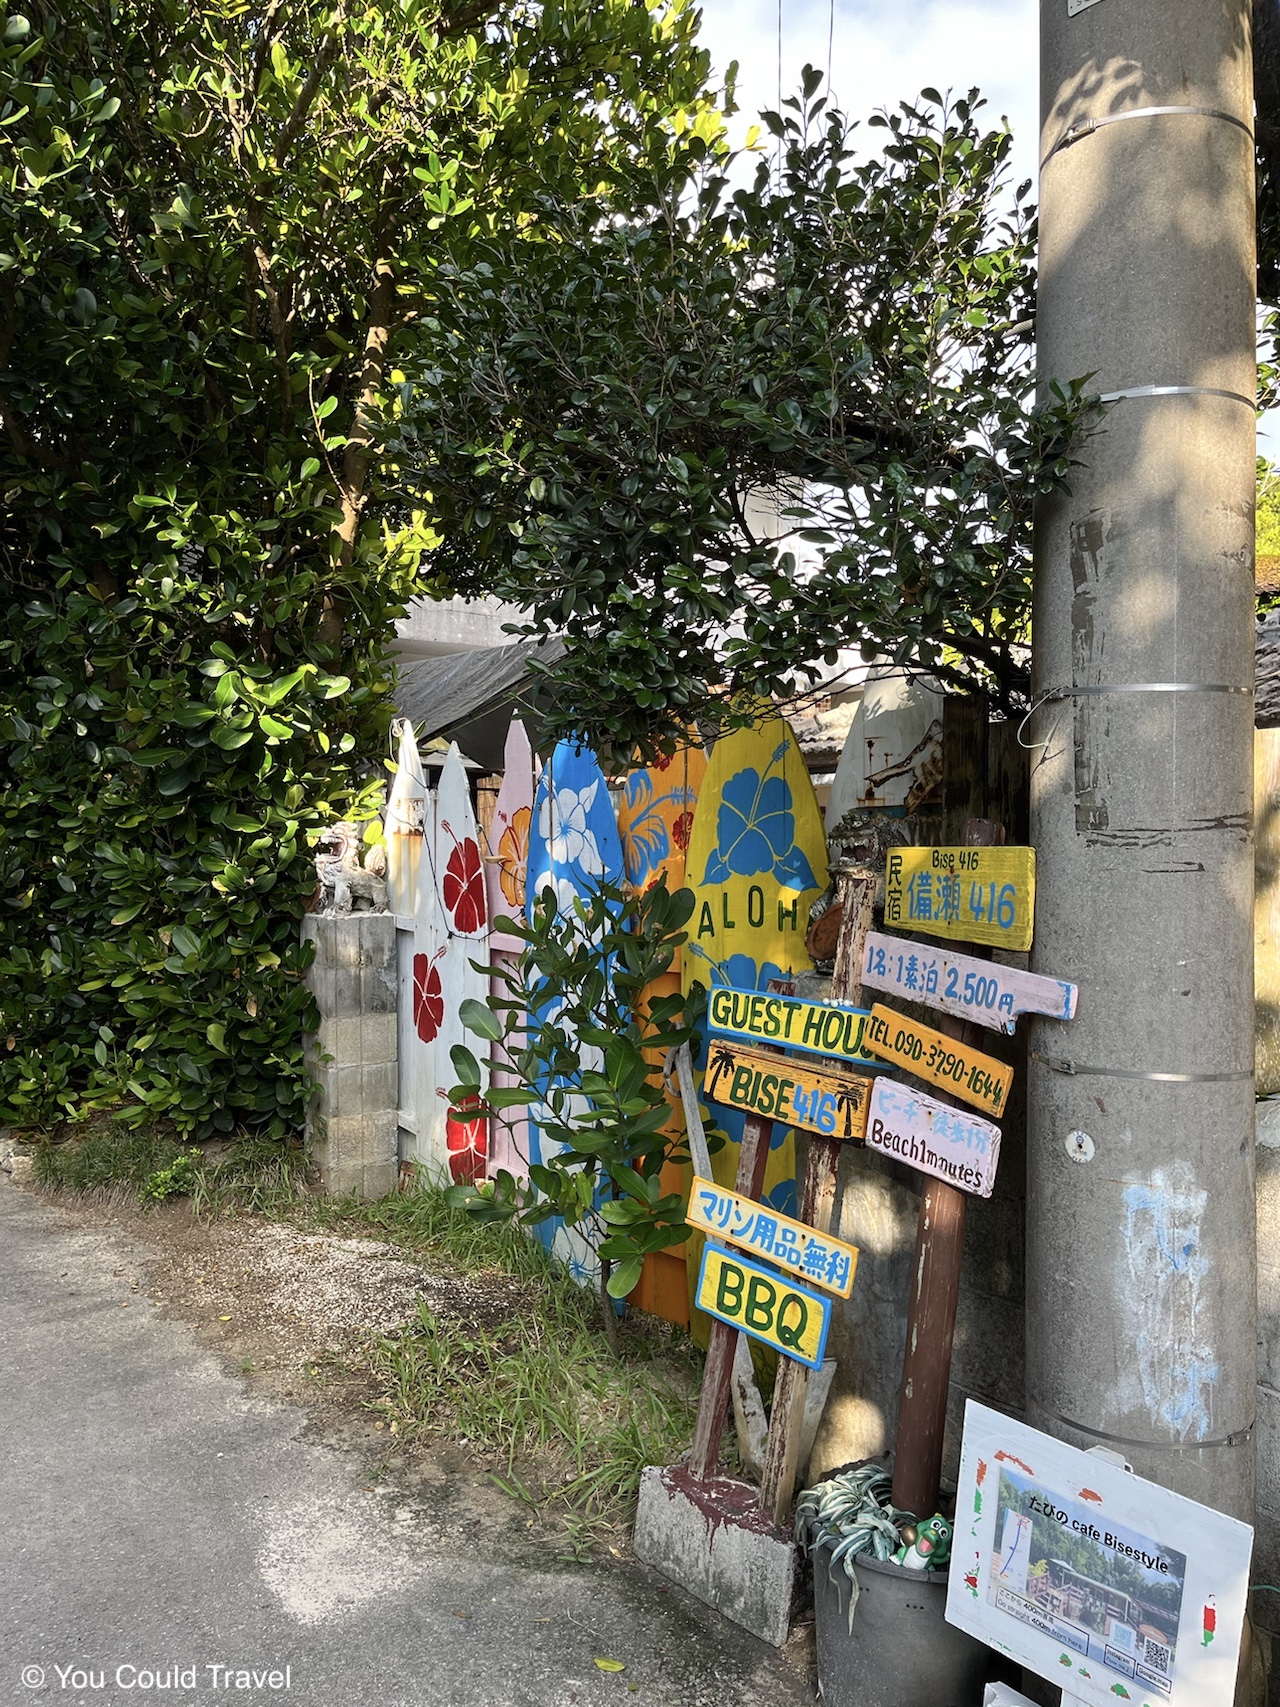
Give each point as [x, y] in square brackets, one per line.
[883, 52]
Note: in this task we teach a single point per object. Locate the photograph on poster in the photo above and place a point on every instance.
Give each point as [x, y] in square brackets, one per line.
[1108, 1593]
[1112, 1587]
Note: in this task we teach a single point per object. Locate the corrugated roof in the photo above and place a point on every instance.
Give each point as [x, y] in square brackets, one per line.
[470, 697]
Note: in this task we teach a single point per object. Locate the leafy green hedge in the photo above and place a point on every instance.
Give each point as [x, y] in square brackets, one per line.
[173, 718]
[218, 237]
[153, 853]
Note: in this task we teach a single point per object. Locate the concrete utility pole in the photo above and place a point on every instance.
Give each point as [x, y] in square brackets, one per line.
[1141, 1288]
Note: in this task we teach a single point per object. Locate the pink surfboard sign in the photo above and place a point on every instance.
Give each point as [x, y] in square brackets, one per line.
[506, 868]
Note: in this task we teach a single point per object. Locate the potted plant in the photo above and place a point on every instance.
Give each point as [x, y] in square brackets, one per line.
[880, 1591]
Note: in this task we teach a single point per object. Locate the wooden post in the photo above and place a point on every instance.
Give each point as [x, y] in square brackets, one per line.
[931, 1309]
[717, 1375]
[964, 762]
[718, 1371]
[855, 895]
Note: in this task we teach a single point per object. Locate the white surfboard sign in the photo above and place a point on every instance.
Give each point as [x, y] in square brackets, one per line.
[958, 984]
[949, 1143]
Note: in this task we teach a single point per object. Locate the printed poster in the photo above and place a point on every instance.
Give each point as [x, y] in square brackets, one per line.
[1112, 1587]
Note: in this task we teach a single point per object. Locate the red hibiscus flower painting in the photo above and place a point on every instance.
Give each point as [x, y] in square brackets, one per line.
[428, 998]
[467, 1138]
[462, 886]
[681, 830]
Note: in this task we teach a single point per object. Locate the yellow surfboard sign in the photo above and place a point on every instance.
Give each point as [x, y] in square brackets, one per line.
[983, 895]
[790, 1091]
[813, 1257]
[765, 1304]
[818, 1028]
[756, 863]
[757, 860]
[655, 821]
[926, 1054]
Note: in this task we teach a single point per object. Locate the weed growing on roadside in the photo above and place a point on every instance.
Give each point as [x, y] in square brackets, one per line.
[573, 1423]
[105, 1157]
[257, 1174]
[175, 1180]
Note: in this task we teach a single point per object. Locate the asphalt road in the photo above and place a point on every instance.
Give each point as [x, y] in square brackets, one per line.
[167, 1537]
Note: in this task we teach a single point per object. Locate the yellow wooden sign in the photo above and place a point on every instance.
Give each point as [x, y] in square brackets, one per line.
[967, 1073]
[817, 1028]
[765, 1304]
[756, 1227]
[789, 1091]
[969, 894]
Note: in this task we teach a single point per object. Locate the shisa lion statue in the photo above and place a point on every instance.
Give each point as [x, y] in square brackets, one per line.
[346, 886]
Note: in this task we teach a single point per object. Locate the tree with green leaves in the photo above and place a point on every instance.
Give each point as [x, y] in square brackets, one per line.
[222, 231]
[850, 339]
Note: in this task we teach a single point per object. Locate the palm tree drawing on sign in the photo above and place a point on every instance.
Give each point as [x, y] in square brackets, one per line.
[848, 1102]
[719, 1063]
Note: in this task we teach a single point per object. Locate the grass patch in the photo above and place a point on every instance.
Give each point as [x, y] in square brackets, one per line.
[571, 1424]
[266, 1175]
[261, 1174]
[105, 1157]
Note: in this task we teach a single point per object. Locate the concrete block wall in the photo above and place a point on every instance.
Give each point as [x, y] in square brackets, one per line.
[352, 1122]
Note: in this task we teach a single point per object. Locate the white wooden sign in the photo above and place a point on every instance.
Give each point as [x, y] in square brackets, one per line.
[978, 990]
[948, 1143]
[1112, 1587]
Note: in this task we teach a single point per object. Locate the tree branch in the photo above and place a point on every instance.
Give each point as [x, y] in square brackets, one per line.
[307, 94]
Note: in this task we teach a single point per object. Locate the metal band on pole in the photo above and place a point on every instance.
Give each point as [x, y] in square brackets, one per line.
[1179, 391]
[1086, 127]
[1237, 1438]
[1140, 687]
[1058, 1064]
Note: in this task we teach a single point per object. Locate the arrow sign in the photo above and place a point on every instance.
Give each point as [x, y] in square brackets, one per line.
[788, 1091]
[958, 984]
[952, 1066]
[945, 1142]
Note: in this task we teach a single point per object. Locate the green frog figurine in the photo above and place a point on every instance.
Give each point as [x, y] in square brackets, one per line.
[929, 1548]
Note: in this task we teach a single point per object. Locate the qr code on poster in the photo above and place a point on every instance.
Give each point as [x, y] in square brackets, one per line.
[1156, 1655]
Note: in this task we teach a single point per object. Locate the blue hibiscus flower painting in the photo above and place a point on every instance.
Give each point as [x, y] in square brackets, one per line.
[756, 830]
[740, 972]
[783, 1196]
